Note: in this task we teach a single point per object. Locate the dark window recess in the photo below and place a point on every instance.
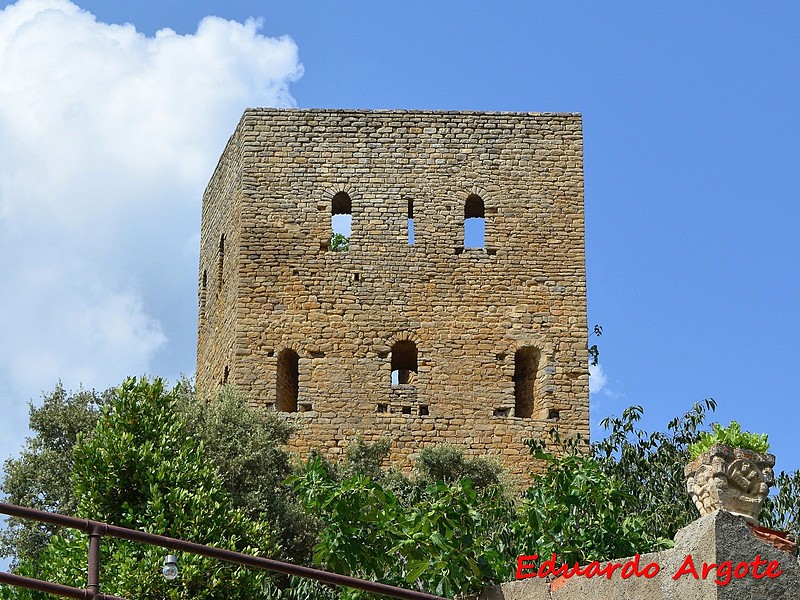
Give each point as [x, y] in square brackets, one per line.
[554, 414]
[404, 362]
[423, 411]
[203, 294]
[382, 408]
[526, 367]
[501, 412]
[406, 410]
[220, 261]
[410, 222]
[287, 385]
[341, 204]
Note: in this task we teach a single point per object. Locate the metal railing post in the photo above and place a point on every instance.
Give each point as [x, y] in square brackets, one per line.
[93, 571]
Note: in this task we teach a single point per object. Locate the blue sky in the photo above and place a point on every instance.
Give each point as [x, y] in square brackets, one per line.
[690, 128]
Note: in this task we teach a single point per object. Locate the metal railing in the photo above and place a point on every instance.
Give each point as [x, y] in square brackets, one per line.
[96, 530]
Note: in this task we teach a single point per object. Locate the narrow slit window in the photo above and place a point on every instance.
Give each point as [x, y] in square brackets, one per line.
[288, 381]
[341, 221]
[526, 367]
[410, 222]
[220, 261]
[474, 222]
[203, 291]
[404, 362]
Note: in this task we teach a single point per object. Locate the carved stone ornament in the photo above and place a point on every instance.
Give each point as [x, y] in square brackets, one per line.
[731, 479]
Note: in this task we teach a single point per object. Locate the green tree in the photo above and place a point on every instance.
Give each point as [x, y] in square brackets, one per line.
[214, 472]
[580, 511]
[782, 509]
[448, 464]
[40, 476]
[650, 465]
[142, 470]
[246, 447]
[448, 539]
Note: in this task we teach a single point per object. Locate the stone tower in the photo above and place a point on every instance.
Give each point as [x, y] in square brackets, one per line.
[458, 313]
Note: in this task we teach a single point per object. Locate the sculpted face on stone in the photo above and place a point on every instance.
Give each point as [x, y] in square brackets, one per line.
[731, 479]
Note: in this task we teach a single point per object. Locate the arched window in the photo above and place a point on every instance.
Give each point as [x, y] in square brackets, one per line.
[410, 222]
[288, 381]
[341, 221]
[404, 362]
[526, 367]
[474, 222]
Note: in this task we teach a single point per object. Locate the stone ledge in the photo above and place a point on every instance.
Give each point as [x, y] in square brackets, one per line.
[715, 538]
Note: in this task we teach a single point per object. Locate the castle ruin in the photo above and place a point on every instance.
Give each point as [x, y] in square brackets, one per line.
[458, 312]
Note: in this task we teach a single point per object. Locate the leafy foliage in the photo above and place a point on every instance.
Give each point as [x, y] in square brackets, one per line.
[245, 446]
[340, 242]
[364, 458]
[449, 539]
[732, 435]
[141, 470]
[446, 463]
[594, 352]
[215, 472]
[782, 510]
[650, 465]
[40, 476]
[580, 511]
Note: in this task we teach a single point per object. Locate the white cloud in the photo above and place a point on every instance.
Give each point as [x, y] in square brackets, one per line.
[107, 138]
[597, 379]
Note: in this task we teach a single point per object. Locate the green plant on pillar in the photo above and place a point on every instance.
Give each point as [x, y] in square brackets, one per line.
[732, 435]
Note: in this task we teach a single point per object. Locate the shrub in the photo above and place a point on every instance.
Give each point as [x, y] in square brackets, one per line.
[732, 435]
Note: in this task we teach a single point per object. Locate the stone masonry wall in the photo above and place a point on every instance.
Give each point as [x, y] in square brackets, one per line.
[467, 311]
[219, 273]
